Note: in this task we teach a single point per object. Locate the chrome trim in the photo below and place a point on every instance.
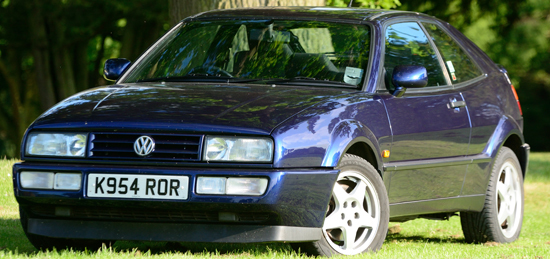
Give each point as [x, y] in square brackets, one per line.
[144, 145]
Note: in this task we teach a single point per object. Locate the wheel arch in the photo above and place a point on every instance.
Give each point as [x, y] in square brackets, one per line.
[352, 137]
[517, 145]
[508, 134]
[361, 149]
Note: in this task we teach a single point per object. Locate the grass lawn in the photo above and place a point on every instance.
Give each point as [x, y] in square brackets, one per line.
[414, 239]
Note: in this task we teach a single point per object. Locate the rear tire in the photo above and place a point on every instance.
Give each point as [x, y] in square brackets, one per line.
[48, 243]
[358, 213]
[502, 215]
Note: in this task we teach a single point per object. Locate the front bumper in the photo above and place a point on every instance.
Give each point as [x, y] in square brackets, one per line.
[178, 232]
[292, 209]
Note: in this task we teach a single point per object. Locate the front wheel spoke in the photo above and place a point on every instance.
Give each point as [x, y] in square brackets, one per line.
[350, 232]
[366, 220]
[359, 192]
[333, 221]
[339, 194]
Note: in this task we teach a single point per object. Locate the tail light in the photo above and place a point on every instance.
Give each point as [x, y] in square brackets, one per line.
[505, 72]
[517, 99]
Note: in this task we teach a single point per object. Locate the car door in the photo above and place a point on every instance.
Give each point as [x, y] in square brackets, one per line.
[478, 92]
[430, 126]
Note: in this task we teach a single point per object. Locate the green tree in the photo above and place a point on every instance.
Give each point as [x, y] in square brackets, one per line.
[51, 49]
[374, 4]
[180, 9]
[515, 34]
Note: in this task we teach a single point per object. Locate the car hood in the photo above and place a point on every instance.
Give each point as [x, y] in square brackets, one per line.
[253, 109]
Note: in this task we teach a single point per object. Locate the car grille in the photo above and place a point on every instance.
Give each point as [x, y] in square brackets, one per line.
[168, 147]
[95, 213]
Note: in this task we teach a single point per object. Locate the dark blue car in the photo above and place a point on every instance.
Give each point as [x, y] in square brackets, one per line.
[312, 126]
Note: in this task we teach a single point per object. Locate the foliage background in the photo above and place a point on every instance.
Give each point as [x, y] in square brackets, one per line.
[51, 49]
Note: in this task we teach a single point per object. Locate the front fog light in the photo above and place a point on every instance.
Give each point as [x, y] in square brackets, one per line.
[246, 186]
[51, 180]
[211, 185]
[37, 180]
[231, 186]
[67, 181]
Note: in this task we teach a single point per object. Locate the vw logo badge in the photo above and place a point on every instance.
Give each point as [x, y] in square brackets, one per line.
[144, 145]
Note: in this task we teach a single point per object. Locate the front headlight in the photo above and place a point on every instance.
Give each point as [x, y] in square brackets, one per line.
[56, 144]
[240, 149]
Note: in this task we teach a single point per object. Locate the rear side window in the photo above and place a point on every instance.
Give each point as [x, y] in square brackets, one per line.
[407, 44]
[461, 68]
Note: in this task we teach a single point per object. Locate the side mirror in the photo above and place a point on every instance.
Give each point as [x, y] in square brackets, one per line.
[114, 68]
[404, 77]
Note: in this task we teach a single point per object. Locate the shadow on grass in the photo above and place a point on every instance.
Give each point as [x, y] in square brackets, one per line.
[202, 248]
[395, 238]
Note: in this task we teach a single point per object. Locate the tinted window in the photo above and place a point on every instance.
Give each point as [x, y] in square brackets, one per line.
[459, 65]
[407, 44]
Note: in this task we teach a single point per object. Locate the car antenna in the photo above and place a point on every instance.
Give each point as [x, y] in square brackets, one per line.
[350, 3]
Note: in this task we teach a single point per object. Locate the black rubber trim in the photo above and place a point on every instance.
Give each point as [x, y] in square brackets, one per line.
[437, 162]
[171, 232]
[526, 149]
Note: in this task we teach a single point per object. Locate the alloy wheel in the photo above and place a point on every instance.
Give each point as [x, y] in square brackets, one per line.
[353, 216]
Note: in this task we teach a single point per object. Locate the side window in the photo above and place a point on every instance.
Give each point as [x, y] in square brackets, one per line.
[459, 65]
[407, 44]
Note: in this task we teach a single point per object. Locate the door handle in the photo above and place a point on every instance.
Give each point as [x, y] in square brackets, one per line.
[458, 104]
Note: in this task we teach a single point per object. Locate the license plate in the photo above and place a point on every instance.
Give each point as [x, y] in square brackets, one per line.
[138, 186]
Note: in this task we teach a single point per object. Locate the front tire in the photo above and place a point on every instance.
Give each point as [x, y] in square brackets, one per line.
[358, 213]
[502, 215]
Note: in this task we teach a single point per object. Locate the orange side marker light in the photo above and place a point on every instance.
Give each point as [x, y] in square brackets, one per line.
[385, 153]
[517, 99]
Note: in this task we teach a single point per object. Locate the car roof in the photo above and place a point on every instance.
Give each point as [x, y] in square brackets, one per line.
[308, 13]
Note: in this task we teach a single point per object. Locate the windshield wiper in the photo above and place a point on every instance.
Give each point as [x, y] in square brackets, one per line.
[188, 77]
[302, 80]
[205, 77]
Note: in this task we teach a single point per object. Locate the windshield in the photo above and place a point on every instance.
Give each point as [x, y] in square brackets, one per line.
[273, 51]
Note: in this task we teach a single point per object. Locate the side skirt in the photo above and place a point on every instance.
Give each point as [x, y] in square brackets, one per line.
[453, 204]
